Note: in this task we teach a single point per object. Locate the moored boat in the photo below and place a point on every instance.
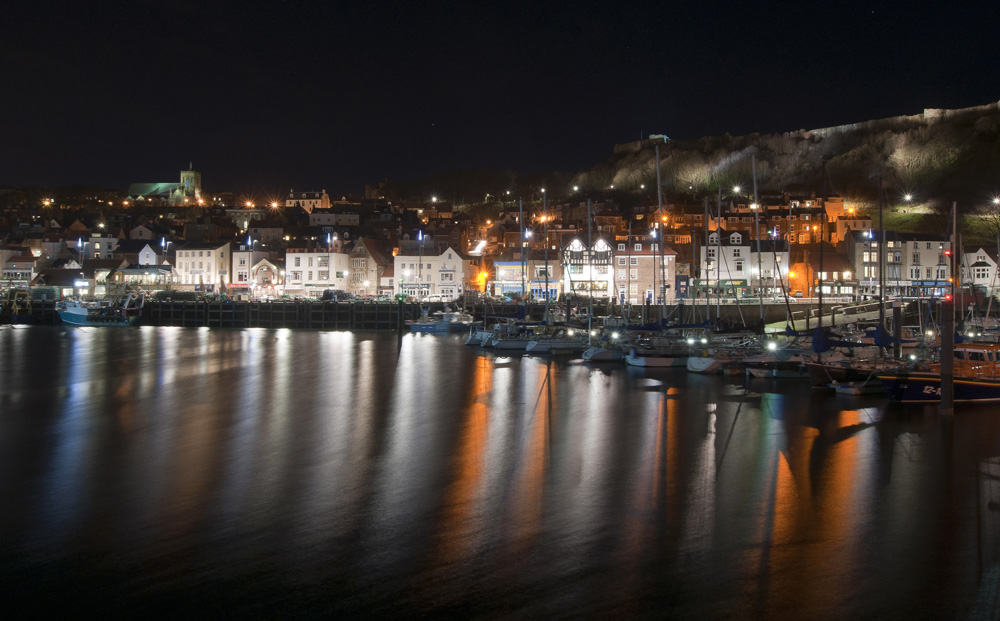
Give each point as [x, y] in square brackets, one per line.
[449, 321]
[562, 341]
[976, 374]
[122, 311]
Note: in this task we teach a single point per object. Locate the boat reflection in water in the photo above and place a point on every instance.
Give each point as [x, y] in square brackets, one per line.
[267, 473]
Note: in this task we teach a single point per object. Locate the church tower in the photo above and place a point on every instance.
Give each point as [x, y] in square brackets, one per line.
[191, 182]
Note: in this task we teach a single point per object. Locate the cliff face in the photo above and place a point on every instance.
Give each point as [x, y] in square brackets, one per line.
[936, 155]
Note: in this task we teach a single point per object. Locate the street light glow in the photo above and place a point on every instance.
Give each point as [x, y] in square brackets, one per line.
[736, 189]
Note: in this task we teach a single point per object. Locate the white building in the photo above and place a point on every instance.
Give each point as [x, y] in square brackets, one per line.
[203, 266]
[420, 274]
[310, 272]
[308, 200]
[979, 269]
[732, 265]
[588, 271]
[245, 257]
[18, 270]
[915, 265]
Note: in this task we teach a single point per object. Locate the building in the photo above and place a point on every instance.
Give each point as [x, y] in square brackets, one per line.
[187, 192]
[588, 271]
[916, 265]
[420, 274]
[979, 269]
[368, 262]
[308, 200]
[245, 256]
[731, 266]
[819, 268]
[203, 266]
[18, 271]
[311, 271]
[644, 270]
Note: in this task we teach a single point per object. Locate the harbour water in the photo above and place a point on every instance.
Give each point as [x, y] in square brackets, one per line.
[213, 472]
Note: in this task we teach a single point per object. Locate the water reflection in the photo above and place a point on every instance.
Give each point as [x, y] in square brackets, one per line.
[254, 470]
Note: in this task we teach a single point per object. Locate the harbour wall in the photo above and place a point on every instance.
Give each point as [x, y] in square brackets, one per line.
[393, 316]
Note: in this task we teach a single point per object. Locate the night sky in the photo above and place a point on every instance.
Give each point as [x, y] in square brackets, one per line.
[335, 95]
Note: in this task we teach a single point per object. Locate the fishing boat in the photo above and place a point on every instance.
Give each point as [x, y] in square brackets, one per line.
[976, 374]
[123, 310]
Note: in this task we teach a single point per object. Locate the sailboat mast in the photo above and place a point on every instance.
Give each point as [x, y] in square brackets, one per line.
[590, 274]
[881, 259]
[661, 292]
[756, 222]
[520, 220]
[718, 257]
[708, 310]
[545, 233]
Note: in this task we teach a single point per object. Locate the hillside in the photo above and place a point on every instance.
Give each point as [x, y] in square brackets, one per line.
[938, 156]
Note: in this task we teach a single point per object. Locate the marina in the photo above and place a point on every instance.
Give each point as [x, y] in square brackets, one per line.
[249, 472]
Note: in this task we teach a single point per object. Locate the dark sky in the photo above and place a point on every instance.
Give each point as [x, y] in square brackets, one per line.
[334, 95]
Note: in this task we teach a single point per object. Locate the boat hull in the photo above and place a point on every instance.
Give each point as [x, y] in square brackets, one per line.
[423, 327]
[926, 388]
[93, 320]
[510, 344]
[639, 359]
[602, 354]
[778, 369]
